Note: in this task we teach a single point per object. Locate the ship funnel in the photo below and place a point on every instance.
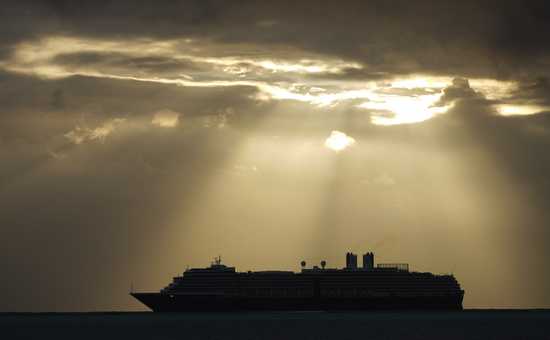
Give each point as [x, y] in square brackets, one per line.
[368, 261]
[351, 261]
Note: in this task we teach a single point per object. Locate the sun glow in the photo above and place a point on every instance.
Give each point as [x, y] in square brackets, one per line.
[339, 141]
[519, 110]
[422, 82]
[391, 110]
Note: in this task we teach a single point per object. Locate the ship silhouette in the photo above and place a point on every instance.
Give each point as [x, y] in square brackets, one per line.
[384, 286]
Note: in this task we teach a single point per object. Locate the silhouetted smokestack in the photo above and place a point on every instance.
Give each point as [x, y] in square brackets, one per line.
[368, 261]
[351, 261]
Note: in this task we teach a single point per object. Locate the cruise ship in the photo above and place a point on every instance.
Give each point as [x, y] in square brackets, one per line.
[369, 287]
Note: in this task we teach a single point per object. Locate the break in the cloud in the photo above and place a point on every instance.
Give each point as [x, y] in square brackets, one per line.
[166, 118]
[339, 141]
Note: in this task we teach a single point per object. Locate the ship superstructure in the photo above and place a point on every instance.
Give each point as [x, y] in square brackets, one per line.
[384, 286]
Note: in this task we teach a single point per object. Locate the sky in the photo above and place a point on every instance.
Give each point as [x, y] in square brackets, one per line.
[139, 138]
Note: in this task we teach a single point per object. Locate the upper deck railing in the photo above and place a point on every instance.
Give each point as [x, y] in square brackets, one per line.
[396, 266]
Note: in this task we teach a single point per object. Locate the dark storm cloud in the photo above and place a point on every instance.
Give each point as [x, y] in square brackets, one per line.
[351, 73]
[503, 39]
[459, 90]
[536, 91]
[106, 62]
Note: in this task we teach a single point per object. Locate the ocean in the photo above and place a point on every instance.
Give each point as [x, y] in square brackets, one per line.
[468, 324]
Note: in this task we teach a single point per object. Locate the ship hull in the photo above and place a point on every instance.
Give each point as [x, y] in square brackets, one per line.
[161, 302]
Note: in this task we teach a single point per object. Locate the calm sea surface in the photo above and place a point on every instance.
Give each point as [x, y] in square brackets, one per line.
[472, 324]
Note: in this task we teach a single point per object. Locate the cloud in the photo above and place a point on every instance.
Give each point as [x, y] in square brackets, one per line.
[504, 41]
[338, 141]
[459, 89]
[119, 62]
[166, 118]
[81, 134]
[218, 120]
[391, 98]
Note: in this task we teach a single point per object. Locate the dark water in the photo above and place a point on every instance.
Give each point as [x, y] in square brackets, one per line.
[532, 324]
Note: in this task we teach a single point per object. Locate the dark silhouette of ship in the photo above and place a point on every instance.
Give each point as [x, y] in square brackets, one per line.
[384, 286]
